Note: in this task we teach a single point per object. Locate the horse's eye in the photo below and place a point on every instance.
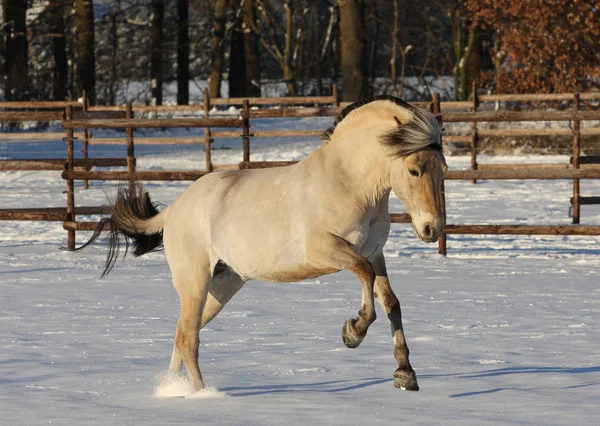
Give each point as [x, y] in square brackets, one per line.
[413, 172]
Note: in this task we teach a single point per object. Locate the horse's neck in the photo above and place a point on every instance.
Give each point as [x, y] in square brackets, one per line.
[360, 161]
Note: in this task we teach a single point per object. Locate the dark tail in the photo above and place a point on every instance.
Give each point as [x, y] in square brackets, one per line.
[133, 217]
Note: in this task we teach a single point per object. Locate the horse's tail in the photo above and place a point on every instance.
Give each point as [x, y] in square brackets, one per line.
[133, 217]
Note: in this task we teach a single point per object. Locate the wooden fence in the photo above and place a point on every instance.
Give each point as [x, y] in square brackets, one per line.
[80, 169]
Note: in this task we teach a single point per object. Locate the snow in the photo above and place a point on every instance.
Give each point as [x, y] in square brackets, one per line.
[505, 330]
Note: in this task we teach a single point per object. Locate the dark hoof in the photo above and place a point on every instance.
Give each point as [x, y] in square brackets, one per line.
[349, 335]
[406, 380]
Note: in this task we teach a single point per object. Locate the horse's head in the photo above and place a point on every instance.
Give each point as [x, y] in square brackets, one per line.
[417, 169]
[412, 154]
[417, 181]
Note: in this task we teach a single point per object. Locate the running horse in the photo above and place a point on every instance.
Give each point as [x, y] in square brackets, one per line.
[324, 214]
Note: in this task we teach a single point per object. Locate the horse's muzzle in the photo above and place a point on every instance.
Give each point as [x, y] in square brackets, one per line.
[429, 232]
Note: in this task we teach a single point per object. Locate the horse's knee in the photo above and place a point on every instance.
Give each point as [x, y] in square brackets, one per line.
[186, 340]
[364, 271]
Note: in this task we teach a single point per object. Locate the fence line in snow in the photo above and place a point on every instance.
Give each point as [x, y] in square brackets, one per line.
[92, 117]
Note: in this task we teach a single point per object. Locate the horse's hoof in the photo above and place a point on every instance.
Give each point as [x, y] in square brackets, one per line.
[349, 335]
[406, 380]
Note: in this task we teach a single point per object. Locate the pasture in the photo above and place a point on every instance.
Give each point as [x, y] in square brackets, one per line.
[503, 330]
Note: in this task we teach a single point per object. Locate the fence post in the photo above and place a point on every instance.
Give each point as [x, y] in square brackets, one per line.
[246, 129]
[442, 249]
[475, 140]
[207, 133]
[84, 101]
[130, 147]
[335, 94]
[86, 141]
[576, 152]
[70, 182]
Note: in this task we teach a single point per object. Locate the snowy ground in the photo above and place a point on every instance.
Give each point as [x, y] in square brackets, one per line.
[503, 330]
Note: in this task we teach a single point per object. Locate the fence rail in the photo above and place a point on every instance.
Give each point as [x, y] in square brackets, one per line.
[580, 167]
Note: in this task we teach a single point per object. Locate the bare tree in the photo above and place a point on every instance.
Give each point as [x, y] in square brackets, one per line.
[352, 29]
[157, 18]
[466, 40]
[183, 53]
[84, 44]
[114, 38]
[218, 49]
[237, 61]
[244, 59]
[58, 15]
[15, 50]
[269, 28]
[251, 54]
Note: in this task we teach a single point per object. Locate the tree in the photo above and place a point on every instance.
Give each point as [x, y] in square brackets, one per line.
[218, 49]
[157, 18]
[114, 38]
[237, 65]
[84, 44]
[542, 45]
[183, 53]
[251, 54]
[244, 65]
[15, 50]
[58, 15]
[466, 42]
[352, 34]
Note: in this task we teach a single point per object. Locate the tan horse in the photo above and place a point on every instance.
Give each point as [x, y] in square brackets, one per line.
[327, 213]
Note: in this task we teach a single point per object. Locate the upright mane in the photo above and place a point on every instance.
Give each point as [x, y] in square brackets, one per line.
[413, 129]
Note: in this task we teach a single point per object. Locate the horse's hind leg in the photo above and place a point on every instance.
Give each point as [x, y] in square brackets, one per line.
[192, 286]
[404, 376]
[223, 286]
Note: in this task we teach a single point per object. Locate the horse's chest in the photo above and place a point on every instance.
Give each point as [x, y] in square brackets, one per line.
[367, 239]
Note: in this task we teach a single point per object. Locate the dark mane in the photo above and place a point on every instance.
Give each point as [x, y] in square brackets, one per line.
[326, 136]
[423, 131]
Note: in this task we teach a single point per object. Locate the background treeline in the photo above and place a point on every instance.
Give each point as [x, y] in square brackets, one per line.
[148, 50]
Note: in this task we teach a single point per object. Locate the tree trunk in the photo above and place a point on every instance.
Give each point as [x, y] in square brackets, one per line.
[157, 18]
[237, 68]
[475, 60]
[15, 55]
[218, 46]
[457, 44]
[183, 53]
[114, 78]
[251, 55]
[84, 44]
[394, 56]
[352, 29]
[60, 78]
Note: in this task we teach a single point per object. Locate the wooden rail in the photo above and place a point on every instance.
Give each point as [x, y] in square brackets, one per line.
[147, 175]
[580, 167]
[163, 123]
[48, 213]
[16, 116]
[59, 163]
[523, 229]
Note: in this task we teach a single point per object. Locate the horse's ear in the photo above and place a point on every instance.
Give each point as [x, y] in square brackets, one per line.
[397, 121]
[438, 117]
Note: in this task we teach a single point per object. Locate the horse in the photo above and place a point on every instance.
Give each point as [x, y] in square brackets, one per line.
[324, 214]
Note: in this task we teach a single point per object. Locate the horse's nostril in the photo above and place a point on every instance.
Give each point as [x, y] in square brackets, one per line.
[428, 231]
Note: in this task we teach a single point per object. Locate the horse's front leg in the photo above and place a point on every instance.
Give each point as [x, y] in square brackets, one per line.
[331, 253]
[404, 376]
